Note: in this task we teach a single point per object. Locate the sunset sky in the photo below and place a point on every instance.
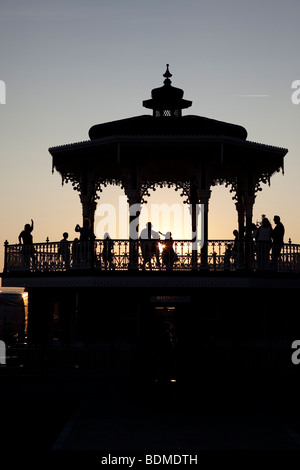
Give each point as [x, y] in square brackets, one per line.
[68, 65]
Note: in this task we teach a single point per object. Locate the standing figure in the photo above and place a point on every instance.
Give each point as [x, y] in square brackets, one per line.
[236, 249]
[64, 250]
[227, 256]
[86, 242]
[149, 240]
[26, 239]
[169, 257]
[86, 232]
[277, 238]
[108, 252]
[264, 243]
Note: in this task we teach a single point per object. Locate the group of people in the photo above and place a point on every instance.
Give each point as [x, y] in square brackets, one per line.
[267, 240]
[149, 240]
[80, 247]
[81, 251]
[83, 248]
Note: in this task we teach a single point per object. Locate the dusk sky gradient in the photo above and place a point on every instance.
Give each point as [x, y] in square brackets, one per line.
[68, 65]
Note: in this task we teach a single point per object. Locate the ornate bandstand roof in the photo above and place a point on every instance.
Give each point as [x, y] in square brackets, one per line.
[167, 145]
[160, 126]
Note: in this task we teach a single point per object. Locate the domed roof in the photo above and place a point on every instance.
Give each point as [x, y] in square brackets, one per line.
[167, 103]
[161, 126]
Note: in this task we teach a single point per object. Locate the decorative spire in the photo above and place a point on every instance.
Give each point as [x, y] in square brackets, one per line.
[167, 101]
[167, 75]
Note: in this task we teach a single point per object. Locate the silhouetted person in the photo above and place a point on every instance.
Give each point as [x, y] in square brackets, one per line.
[277, 237]
[64, 250]
[227, 256]
[236, 248]
[86, 232]
[149, 240]
[264, 243]
[108, 252]
[26, 239]
[87, 239]
[169, 257]
[25, 236]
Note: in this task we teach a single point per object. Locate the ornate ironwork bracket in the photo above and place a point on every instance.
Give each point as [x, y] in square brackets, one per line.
[229, 182]
[265, 179]
[183, 186]
[99, 184]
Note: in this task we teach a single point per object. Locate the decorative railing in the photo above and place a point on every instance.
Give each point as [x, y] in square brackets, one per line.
[123, 255]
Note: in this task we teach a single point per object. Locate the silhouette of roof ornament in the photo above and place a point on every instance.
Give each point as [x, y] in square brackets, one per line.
[168, 75]
[167, 101]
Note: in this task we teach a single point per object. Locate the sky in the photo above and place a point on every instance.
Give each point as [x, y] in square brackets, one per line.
[68, 65]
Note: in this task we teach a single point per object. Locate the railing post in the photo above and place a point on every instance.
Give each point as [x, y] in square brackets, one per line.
[48, 257]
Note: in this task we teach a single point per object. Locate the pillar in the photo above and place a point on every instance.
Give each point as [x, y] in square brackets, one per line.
[87, 198]
[249, 216]
[194, 210]
[248, 238]
[204, 196]
[241, 218]
[244, 206]
[134, 201]
[240, 207]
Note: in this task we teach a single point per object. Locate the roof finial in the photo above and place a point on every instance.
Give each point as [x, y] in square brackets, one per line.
[167, 73]
[167, 100]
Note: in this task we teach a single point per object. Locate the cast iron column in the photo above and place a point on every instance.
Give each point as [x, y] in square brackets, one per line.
[87, 198]
[204, 196]
[134, 201]
[248, 238]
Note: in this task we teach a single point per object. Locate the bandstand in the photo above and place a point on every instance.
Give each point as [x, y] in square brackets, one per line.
[190, 153]
[121, 309]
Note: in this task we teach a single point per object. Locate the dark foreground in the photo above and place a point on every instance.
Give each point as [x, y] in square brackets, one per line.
[66, 420]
